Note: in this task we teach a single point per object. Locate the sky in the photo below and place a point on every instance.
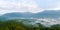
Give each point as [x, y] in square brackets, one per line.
[34, 6]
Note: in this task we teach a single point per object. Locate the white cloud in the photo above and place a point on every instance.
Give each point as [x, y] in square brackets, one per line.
[48, 21]
[18, 6]
[49, 4]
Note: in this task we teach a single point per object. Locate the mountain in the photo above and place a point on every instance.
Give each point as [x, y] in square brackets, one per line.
[48, 14]
[17, 15]
[44, 14]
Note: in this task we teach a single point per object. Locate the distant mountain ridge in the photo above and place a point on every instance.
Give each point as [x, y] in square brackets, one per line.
[44, 14]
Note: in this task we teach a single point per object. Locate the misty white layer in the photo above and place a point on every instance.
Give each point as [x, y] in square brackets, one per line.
[45, 22]
[7, 6]
[48, 21]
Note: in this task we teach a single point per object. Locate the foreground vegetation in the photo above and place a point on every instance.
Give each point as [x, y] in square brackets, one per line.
[15, 25]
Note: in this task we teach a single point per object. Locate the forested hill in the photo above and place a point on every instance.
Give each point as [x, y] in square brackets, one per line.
[21, 21]
[19, 25]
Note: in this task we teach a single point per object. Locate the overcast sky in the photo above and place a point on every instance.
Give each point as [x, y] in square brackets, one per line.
[34, 6]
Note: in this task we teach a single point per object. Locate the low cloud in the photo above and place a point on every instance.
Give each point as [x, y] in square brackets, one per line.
[19, 6]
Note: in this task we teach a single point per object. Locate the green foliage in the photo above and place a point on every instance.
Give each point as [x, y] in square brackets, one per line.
[14, 25]
[11, 25]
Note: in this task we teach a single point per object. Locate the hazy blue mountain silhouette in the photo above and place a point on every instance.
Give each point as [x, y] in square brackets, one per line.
[44, 14]
[48, 14]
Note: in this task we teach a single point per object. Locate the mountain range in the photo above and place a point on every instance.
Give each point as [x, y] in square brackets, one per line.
[47, 17]
[44, 14]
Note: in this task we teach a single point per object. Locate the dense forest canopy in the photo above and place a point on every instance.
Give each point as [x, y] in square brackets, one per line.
[19, 25]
